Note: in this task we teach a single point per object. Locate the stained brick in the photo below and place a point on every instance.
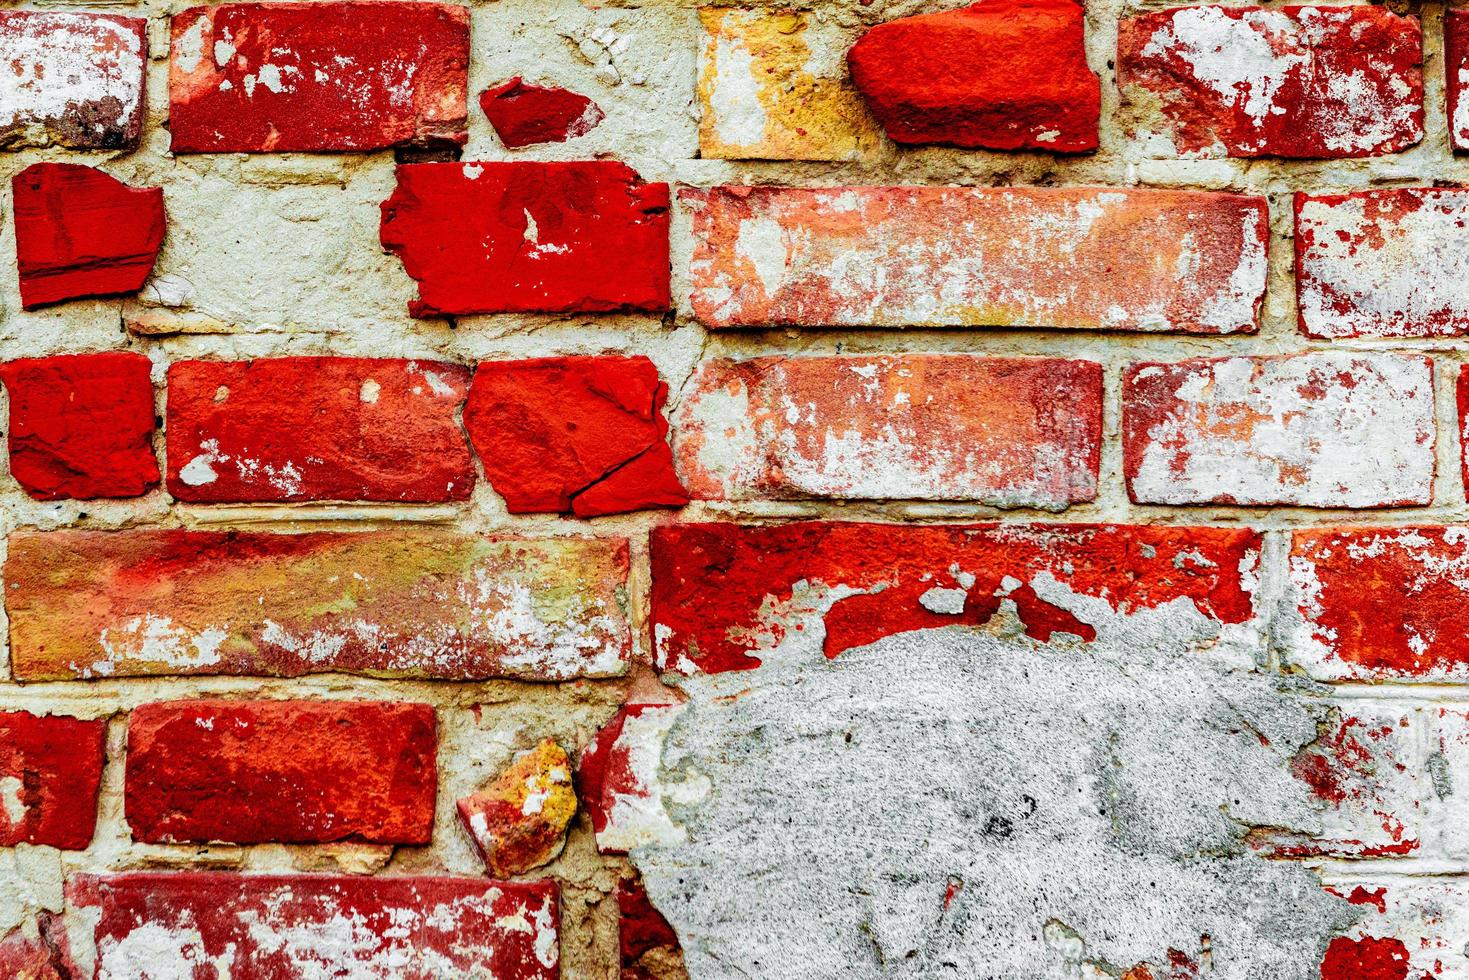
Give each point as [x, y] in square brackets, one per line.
[519, 821]
[42, 952]
[249, 77]
[1075, 257]
[618, 780]
[1311, 430]
[579, 237]
[71, 79]
[723, 594]
[770, 89]
[81, 426]
[1456, 75]
[646, 942]
[249, 772]
[317, 428]
[1290, 82]
[385, 603]
[1409, 928]
[999, 75]
[1006, 432]
[277, 925]
[50, 771]
[524, 115]
[80, 232]
[579, 434]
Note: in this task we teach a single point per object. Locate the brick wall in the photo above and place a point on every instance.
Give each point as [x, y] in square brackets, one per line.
[658, 490]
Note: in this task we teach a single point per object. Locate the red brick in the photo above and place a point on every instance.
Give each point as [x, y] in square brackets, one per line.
[40, 954]
[723, 593]
[647, 944]
[80, 232]
[71, 79]
[1456, 75]
[250, 772]
[524, 115]
[580, 237]
[1309, 430]
[1409, 928]
[999, 75]
[617, 777]
[1007, 432]
[81, 426]
[519, 821]
[1382, 602]
[50, 770]
[264, 77]
[1325, 82]
[296, 927]
[1069, 257]
[317, 428]
[386, 603]
[579, 434]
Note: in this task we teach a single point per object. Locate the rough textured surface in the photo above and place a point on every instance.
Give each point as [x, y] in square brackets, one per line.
[950, 256]
[1019, 433]
[71, 79]
[518, 823]
[50, 772]
[618, 778]
[647, 944]
[388, 603]
[249, 772]
[81, 426]
[579, 434]
[524, 115]
[1287, 82]
[1411, 928]
[80, 232]
[1314, 430]
[1456, 76]
[296, 927]
[356, 75]
[999, 75]
[317, 428]
[529, 237]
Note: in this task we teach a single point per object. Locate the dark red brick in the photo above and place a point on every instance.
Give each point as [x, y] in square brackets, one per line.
[40, 954]
[50, 770]
[647, 944]
[1456, 75]
[524, 115]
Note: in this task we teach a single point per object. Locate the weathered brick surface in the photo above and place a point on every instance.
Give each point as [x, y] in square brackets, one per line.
[264, 77]
[519, 821]
[317, 428]
[50, 772]
[296, 926]
[388, 603]
[950, 256]
[1456, 76]
[1287, 82]
[936, 427]
[249, 772]
[1312, 430]
[1410, 928]
[524, 115]
[617, 777]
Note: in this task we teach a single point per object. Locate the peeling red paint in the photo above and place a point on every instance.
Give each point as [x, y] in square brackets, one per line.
[723, 592]
[50, 771]
[80, 232]
[580, 237]
[250, 772]
[524, 115]
[1456, 75]
[617, 778]
[1365, 959]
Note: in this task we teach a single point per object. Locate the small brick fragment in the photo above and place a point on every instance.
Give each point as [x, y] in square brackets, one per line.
[317, 428]
[647, 945]
[580, 237]
[80, 232]
[1007, 432]
[71, 79]
[1072, 257]
[1456, 75]
[579, 434]
[355, 75]
[997, 75]
[617, 777]
[50, 771]
[304, 926]
[1327, 82]
[770, 90]
[524, 115]
[724, 593]
[383, 603]
[1309, 430]
[81, 425]
[251, 772]
[519, 822]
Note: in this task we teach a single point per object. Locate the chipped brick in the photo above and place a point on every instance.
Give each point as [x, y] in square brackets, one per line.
[617, 777]
[268, 77]
[647, 945]
[524, 115]
[80, 232]
[317, 428]
[38, 952]
[81, 426]
[1410, 928]
[50, 771]
[1006, 432]
[580, 237]
[998, 75]
[1456, 75]
[383, 603]
[519, 821]
[1310, 430]
[250, 772]
[579, 434]
[1327, 82]
[1074, 257]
